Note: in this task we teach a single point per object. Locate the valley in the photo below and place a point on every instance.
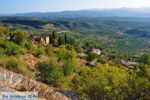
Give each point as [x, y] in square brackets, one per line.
[128, 36]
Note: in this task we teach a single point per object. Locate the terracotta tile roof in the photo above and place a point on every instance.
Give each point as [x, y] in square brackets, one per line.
[35, 37]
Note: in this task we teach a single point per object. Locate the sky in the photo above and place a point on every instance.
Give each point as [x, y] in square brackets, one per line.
[22, 6]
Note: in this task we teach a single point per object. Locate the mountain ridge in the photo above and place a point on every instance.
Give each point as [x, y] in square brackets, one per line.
[115, 12]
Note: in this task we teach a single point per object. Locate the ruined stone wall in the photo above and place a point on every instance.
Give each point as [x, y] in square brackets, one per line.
[11, 82]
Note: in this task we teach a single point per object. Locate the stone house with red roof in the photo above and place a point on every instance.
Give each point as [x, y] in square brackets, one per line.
[39, 39]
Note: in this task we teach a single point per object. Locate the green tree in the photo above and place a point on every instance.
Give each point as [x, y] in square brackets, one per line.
[60, 42]
[19, 37]
[54, 35]
[108, 82]
[69, 67]
[77, 47]
[66, 39]
[87, 44]
[65, 54]
[50, 72]
[145, 58]
[71, 41]
[67, 57]
[51, 39]
[55, 43]
[91, 56]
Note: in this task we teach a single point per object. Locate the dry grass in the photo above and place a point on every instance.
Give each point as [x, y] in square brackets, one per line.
[80, 62]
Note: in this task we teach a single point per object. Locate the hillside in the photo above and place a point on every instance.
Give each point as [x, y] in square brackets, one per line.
[123, 35]
[59, 67]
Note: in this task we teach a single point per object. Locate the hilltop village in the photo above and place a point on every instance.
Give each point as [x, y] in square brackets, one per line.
[64, 66]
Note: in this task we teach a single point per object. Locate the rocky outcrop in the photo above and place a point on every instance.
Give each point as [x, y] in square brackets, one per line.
[13, 82]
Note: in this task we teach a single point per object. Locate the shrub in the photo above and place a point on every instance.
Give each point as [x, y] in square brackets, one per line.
[3, 60]
[67, 56]
[77, 47]
[19, 37]
[69, 67]
[28, 45]
[91, 56]
[68, 47]
[145, 58]
[4, 31]
[2, 52]
[108, 82]
[50, 50]
[39, 51]
[10, 48]
[12, 64]
[50, 72]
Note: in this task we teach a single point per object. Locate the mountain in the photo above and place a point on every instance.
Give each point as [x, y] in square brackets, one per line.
[116, 12]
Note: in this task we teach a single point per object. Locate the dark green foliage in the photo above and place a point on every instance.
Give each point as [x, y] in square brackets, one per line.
[71, 41]
[60, 41]
[87, 44]
[35, 23]
[50, 72]
[54, 35]
[51, 39]
[68, 47]
[77, 47]
[91, 56]
[138, 32]
[145, 58]
[85, 47]
[66, 39]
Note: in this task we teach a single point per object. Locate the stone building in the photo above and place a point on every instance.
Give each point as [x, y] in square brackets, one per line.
[97, 51]
[39, 39]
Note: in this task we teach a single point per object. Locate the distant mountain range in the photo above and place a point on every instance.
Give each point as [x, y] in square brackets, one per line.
[116, 12]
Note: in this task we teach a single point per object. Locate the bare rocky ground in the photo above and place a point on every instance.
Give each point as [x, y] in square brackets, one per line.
[13, 82]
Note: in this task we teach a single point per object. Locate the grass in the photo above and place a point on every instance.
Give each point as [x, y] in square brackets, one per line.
[13, 64]
[3, 60]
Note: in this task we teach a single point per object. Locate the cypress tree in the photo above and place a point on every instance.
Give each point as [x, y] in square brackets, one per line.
[87, 44]
[51, 39]
[66, 39]
[54, 36]
[59, 40]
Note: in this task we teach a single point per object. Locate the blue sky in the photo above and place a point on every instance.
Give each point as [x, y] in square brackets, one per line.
[21, 6]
